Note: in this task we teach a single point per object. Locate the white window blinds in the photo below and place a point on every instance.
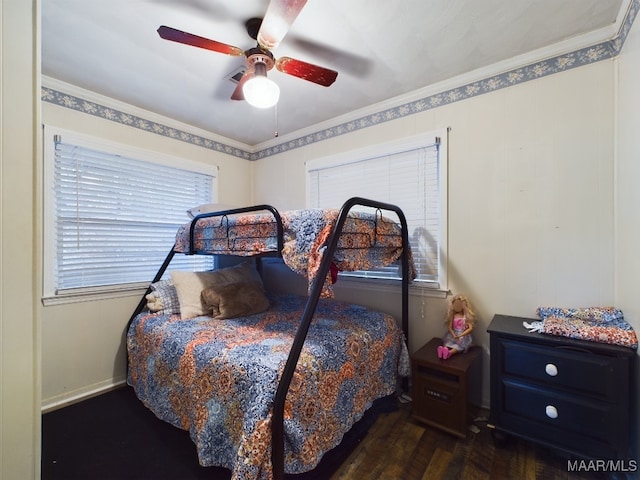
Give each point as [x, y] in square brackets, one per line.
[409, 177]
[115, 218]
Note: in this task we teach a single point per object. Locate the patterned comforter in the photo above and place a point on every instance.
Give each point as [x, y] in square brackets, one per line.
[367, 241]
[217, 379]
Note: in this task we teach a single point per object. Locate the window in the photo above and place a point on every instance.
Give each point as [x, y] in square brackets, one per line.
[111, 213]
[410, 174]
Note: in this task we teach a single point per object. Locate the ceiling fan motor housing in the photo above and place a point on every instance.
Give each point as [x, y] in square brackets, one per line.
[256, 56]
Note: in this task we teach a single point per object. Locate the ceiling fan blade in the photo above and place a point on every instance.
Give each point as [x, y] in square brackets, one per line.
[179, 36]
[277, 20]
[307, 71]
[238, 94]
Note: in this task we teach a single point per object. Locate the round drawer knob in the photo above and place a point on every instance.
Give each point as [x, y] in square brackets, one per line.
[551, 411]
[551, 369]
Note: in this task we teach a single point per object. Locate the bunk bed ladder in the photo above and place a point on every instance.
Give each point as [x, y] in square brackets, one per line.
[277, 426]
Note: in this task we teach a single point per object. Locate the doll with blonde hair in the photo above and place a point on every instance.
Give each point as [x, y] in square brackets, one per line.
[460, 320]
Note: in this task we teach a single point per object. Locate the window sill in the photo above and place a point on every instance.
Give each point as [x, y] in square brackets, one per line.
[418, 289]
[94, 295]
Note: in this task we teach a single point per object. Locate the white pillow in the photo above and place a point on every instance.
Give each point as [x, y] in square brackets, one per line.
[207, 208]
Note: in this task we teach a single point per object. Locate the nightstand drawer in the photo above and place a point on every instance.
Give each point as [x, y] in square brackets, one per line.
[571, 369]
[569, 413]
[568, 422]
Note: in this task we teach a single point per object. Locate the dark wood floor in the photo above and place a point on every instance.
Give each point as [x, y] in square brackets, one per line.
[398, 447]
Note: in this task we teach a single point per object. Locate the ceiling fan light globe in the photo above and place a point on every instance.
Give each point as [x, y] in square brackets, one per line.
[261, 92]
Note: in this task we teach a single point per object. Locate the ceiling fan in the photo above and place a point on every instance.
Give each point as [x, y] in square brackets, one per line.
[254, 86]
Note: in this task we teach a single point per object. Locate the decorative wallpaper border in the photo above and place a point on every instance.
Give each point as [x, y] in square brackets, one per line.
[585, 56]
[91, 108]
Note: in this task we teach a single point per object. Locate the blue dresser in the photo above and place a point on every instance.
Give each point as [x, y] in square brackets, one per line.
[570, 395]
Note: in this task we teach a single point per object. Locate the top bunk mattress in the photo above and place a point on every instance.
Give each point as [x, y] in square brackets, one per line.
[368, 240]
[237, 234]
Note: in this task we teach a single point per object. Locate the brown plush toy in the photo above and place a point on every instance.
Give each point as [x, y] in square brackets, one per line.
[234, 299]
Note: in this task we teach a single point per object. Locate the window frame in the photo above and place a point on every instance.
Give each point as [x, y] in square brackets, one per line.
[371, 152]
[49, 294]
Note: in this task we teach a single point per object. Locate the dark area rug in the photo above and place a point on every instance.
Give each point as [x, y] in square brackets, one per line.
[115, 437]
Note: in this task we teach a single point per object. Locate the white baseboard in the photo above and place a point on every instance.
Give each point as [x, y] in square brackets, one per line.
[84, 393]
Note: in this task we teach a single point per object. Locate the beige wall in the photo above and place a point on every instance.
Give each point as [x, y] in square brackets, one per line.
[627, 216]
[530, 197]
[82, 343]
[19, 339]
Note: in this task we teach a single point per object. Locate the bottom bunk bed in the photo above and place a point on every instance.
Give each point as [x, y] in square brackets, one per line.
[277, 385]
[217, 378]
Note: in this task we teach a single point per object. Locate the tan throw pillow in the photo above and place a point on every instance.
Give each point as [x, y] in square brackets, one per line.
[234, 300]
[189, 285]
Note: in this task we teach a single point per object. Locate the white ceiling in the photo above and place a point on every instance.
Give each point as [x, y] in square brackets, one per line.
[381, 49]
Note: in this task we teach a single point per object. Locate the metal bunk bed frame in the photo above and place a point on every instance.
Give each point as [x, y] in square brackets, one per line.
[277, 426]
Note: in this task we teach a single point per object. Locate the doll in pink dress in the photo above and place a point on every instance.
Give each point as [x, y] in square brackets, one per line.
[460, 320]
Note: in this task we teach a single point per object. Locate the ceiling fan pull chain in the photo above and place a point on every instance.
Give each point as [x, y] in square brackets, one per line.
[275, 112]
